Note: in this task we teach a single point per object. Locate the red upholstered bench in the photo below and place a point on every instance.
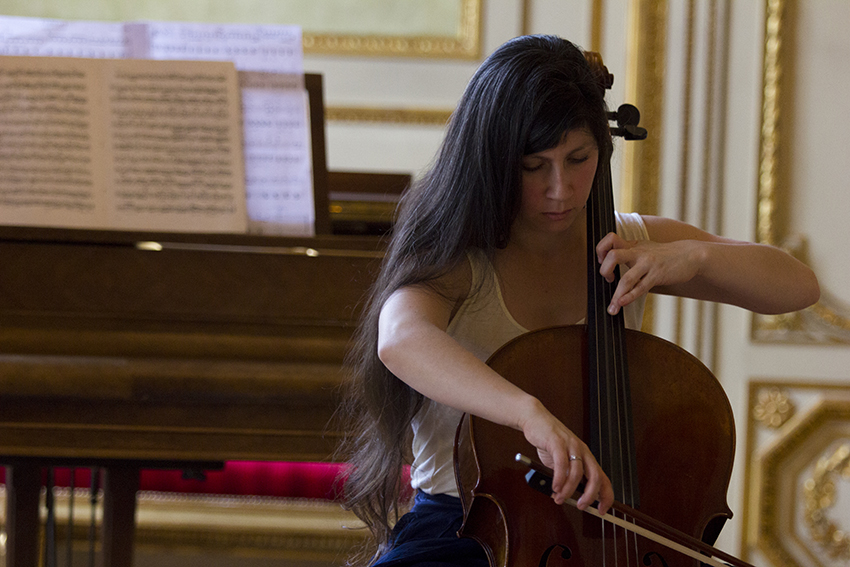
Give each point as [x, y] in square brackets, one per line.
[249, 478]
[237, 478]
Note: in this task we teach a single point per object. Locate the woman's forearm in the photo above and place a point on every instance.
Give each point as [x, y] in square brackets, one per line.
[757, 277]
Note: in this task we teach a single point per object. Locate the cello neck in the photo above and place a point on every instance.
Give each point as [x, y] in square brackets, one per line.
[609, 399]
[610, 420]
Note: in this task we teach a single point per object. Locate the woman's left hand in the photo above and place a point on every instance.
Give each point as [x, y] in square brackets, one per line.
[650, 264]
[682, 260]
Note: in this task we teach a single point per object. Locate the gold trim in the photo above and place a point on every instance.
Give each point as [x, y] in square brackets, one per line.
[364, 211]
[466, 45]
[766, 230]
[411, 116]
[770, 537]
[645, 89]
[830, 315]
[597, 17]
[820, 495]
[788, 432]
[280, 528]
[827, 321]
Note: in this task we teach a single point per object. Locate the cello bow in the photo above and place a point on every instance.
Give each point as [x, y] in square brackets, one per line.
[540, 478]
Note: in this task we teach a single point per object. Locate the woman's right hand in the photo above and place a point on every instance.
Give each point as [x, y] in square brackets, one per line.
[412, 328]
[568, 456]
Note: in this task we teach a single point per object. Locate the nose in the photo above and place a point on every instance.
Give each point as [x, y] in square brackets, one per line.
[560, 186]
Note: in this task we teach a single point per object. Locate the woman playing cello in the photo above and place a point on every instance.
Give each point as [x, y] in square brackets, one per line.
[489, 244]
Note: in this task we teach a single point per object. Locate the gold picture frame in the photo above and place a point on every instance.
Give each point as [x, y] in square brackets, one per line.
[465, 44]
[377, 28]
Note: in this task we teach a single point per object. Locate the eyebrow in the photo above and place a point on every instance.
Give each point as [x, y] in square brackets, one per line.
[590, 144]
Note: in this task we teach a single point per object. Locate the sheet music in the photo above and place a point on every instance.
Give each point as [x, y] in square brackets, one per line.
[277, 159]
[278, 170]
[278, 164]
[102, 143]
[269, 48]
[46, 147]
[176, 153]
[60, 38]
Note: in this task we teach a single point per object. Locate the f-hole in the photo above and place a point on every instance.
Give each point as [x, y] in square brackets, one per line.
[647, 559]
[566, 553]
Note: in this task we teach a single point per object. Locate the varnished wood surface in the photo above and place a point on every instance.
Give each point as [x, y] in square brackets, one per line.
[229, 350]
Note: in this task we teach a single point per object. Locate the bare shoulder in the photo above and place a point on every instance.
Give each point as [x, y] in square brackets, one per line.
[438, 299]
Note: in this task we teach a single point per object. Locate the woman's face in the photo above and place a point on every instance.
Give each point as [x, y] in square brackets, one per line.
[557, 182]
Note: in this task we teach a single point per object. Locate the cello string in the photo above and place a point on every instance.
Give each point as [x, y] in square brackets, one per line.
[617, 369]
[595, 377]
[619, 374]
[604, 323]
[608, 431]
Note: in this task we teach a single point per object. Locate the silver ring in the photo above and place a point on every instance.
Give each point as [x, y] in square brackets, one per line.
[574, 458]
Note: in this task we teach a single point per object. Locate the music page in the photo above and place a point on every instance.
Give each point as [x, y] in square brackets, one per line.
[52, 169]
[120, 144]
[61, 38]
[175, 153]
[269, 58]
[278, 163]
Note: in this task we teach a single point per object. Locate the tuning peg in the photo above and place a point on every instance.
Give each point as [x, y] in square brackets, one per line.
[627, 117]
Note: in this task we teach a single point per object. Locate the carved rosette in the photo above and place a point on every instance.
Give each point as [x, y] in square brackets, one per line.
[773, 407]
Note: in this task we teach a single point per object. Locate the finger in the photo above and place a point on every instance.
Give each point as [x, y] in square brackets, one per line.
[605, 498]
[633, 284]
[641, 289]
[598, 488]
[592, 486]
[559, 478]
[613, 259]
[610, 241]
[576, 473]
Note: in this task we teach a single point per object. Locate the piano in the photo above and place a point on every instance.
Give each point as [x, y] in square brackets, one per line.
[203, 349]
[135, 350]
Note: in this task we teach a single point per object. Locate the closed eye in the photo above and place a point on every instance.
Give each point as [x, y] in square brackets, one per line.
[532, 167]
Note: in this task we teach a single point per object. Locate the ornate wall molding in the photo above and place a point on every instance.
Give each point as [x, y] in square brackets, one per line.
[645, 89]
[466, 45]
[797, 470]
[829, 320]
[408, 116]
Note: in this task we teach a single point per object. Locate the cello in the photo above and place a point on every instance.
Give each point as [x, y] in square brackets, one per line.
[657, 421]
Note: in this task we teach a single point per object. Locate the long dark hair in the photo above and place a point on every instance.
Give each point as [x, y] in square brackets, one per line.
[522, 100]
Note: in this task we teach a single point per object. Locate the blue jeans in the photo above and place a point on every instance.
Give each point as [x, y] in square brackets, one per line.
[427, 536]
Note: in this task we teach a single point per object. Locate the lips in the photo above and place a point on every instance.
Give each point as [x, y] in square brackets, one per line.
[557, 215]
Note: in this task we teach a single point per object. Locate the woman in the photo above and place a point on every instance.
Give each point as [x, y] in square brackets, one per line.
[492, 243]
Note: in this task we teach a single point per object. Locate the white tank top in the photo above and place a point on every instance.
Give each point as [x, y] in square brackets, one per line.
[482, 325]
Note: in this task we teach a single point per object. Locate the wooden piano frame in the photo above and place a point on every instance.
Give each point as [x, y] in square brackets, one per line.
[212, 348]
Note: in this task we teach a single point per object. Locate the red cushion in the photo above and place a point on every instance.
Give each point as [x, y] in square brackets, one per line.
[238, 478]
[289, 480]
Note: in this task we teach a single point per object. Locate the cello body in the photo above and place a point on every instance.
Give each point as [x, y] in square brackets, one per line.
[684, 440]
